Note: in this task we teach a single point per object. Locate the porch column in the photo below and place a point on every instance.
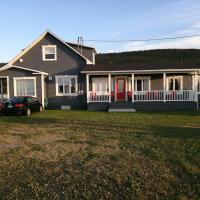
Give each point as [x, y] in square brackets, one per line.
[164, 87]
[87, 88]
[109, 87]
[42, 89]
[196, 86]
[132, 85]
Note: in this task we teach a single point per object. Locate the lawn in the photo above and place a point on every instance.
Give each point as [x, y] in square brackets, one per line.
[97, 155]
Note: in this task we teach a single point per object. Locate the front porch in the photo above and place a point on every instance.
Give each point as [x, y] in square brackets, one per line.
[137, 88]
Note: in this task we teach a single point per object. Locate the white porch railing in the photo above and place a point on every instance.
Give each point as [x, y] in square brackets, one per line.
[149, 95]
[98, 96]
[178, 95]
[145, 96]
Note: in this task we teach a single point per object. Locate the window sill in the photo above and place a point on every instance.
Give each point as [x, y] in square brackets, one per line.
[50, 60]
[66, 95]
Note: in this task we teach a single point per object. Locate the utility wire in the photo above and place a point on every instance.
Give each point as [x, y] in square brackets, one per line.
[142, 40]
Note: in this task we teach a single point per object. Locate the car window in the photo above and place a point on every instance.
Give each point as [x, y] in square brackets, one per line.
[17, 100]
[29, 99]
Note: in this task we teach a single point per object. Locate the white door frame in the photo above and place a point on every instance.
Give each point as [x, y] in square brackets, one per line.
[126, 96]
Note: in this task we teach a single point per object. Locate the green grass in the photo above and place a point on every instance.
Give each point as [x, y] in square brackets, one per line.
[97, 155]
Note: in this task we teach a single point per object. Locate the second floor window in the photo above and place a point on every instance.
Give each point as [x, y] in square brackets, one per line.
[49, 52]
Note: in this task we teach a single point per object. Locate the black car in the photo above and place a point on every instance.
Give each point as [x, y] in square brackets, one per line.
[22, 105]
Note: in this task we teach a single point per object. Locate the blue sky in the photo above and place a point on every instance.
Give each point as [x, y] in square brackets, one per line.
[22, 21]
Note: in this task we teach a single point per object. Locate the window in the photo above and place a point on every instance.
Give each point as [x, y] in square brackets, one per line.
[174, 83]
[99, 84]
[66, 85]
[198, 84]
[25, 86]
[142, 84]
[49, 52]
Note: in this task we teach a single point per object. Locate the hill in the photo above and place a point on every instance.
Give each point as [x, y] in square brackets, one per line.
[151, 56]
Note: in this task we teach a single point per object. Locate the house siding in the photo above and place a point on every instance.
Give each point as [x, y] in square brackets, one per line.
[14, 72]
[68, 63]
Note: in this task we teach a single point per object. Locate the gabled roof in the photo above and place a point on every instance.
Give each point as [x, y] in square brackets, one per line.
[38, 40]
[23, 68]
[84, 46]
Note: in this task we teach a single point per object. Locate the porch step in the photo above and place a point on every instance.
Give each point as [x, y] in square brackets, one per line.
[121, 107]
[121, 110]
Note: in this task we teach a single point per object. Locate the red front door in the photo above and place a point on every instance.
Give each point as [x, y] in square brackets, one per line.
[120, 89]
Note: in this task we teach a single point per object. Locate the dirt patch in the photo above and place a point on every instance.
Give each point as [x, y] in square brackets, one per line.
[109, 146]
[53, 152]
[45, 138]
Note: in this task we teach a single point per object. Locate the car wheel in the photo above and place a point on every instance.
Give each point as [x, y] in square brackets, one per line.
[28, 112]
[40, 109]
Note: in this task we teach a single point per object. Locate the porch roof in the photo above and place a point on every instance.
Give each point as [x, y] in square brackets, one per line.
[137, 67]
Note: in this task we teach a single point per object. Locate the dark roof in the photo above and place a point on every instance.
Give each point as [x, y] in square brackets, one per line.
[84, 46]
[2, 64]
[139, 66]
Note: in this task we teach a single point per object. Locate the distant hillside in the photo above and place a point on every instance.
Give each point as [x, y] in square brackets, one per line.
[151, 56]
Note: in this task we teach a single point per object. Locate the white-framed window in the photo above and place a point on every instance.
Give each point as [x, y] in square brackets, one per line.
[100, 84]
[198, 84]
[175, 83]
[66, 85]
[49, 52]
[25, 86]
[140, 84]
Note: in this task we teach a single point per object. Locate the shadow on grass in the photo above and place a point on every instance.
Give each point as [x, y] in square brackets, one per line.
[174, 132]
[175, 113]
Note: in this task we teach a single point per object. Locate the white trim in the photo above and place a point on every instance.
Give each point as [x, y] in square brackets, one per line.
[8, 91]
[24, 78]
[139, 71]
[38, 40]
[67, 76]
[133, 86]
[18, 67]
[42, 88]
[93, 57]
[164, 87]
[87, 88]
[43, 52]
[174, 77]
[109, 87]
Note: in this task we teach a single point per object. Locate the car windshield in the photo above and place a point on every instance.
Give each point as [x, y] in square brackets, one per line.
[17, 100]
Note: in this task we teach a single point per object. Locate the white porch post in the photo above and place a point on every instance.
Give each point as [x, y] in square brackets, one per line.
[109, 87]
[132, 85]
[196, 86]
[87, 88]
[42, 89]
[164, 87]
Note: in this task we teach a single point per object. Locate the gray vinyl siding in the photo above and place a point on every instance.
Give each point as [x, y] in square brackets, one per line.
[157, 82]
[68, 63]
[13, 72]
[187, 82]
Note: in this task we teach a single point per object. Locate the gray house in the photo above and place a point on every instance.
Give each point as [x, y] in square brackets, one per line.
[49, 69]
[62, 74]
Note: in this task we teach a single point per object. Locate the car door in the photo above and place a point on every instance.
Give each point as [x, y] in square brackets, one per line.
[36, 104]
[30, 103]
